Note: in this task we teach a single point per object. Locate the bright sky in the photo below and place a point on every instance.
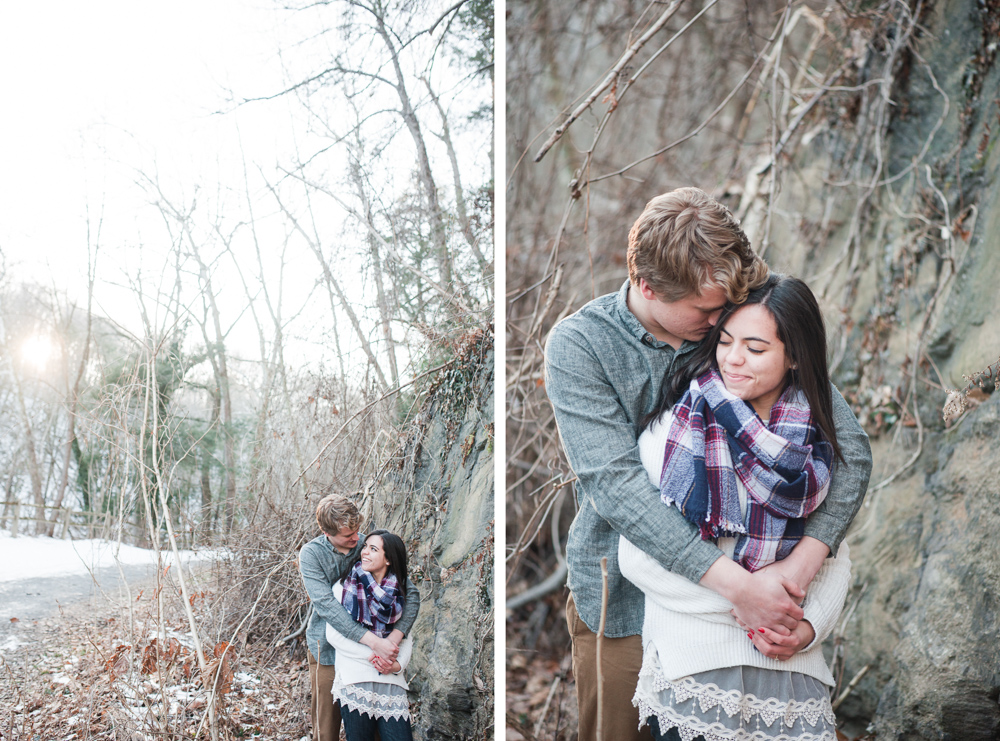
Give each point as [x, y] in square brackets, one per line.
[98, 96]
[97, 93]
[93, 91]
[27, 557]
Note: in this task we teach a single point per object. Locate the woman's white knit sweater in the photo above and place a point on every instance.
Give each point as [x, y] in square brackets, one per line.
[691, 626]
[351, 662]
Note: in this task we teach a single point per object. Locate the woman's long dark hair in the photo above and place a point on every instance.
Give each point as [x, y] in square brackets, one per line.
[800, 327]
[394, 552]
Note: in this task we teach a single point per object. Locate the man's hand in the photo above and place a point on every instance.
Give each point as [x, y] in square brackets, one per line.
[760, 600]
[382, 647]
[803, 563]
[769, 601]
[388, 665]
[781, 647]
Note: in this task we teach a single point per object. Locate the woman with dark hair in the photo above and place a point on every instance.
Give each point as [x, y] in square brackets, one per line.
[371, 691]
[742, 445]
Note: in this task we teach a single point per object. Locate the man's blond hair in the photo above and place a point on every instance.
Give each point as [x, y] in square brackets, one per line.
[686, 240]
[335, 513]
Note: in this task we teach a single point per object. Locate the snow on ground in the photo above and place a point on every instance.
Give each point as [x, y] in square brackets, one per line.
[26, 557]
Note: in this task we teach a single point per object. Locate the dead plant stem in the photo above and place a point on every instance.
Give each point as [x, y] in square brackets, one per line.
[600, 646]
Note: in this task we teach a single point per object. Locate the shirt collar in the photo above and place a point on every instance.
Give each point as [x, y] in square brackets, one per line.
[638, 331]
[355, 550]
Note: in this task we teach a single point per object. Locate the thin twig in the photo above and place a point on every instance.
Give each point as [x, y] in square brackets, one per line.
[366, 409]
[850, 687]
[690, 135]
[545, 707]
[610, 78]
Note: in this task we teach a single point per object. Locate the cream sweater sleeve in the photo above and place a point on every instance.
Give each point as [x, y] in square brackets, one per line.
[825, 596]
[668, 590]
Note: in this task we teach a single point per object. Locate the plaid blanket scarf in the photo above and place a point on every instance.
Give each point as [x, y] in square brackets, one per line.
[374, 605]
[714, 438]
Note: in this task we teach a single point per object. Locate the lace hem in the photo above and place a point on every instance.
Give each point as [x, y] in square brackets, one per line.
[373, 704]
[687, 704]
[690, 728]
[733, 701]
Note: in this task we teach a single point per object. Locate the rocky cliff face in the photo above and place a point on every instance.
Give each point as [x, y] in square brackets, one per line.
[440, 499]
[923, 614]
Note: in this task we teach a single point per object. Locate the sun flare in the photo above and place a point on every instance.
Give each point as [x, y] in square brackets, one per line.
[37, 350]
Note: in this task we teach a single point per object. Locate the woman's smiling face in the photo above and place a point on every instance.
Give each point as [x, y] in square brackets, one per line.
[751, 358]
[373, 556]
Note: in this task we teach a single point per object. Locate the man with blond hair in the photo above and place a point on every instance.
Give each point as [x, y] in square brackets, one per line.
[323, 562]
[605, 366]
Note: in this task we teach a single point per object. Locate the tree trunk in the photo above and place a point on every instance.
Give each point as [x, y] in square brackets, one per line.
[217, 351]
[385, 315]
[74, 400]
[460, 205]
[409, 115]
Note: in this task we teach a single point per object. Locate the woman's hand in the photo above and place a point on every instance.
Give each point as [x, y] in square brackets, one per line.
[780, 647]
[383, 666]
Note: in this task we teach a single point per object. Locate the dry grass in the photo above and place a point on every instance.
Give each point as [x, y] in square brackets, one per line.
[107, 671]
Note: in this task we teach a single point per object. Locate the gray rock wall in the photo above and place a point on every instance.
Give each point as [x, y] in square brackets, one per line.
[440, 499]
[925, 547]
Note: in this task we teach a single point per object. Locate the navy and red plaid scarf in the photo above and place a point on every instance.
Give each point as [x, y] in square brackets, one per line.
[715, 437]
[374, 605]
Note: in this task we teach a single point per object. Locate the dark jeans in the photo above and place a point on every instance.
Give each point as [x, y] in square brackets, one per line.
[670, 735]
[361, 727]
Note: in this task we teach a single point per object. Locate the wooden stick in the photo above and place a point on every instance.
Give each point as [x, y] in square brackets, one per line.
[600, 641]
[545, 708]
[850, 687]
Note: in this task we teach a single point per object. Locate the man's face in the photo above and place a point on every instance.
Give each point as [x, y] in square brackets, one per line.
[690, 318]
[344, 541]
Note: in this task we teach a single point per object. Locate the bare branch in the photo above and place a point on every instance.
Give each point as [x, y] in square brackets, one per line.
[610, 78]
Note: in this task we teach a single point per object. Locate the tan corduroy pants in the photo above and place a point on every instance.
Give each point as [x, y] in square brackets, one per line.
[621, 660]
[323, 712]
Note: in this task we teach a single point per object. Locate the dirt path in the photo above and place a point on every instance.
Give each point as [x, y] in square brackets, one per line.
[26, 601]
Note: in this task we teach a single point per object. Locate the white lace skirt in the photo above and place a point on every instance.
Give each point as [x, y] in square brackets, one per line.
[741, 703]
[374, 699]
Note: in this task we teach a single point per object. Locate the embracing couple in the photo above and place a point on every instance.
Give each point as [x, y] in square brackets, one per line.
[363, 609]
[718, 470]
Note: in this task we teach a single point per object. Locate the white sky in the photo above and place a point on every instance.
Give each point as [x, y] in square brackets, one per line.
[93, 90]
[94, 94]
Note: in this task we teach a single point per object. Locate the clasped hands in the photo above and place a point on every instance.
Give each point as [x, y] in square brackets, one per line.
[766, 603]
[769, 609]
[385, 651]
